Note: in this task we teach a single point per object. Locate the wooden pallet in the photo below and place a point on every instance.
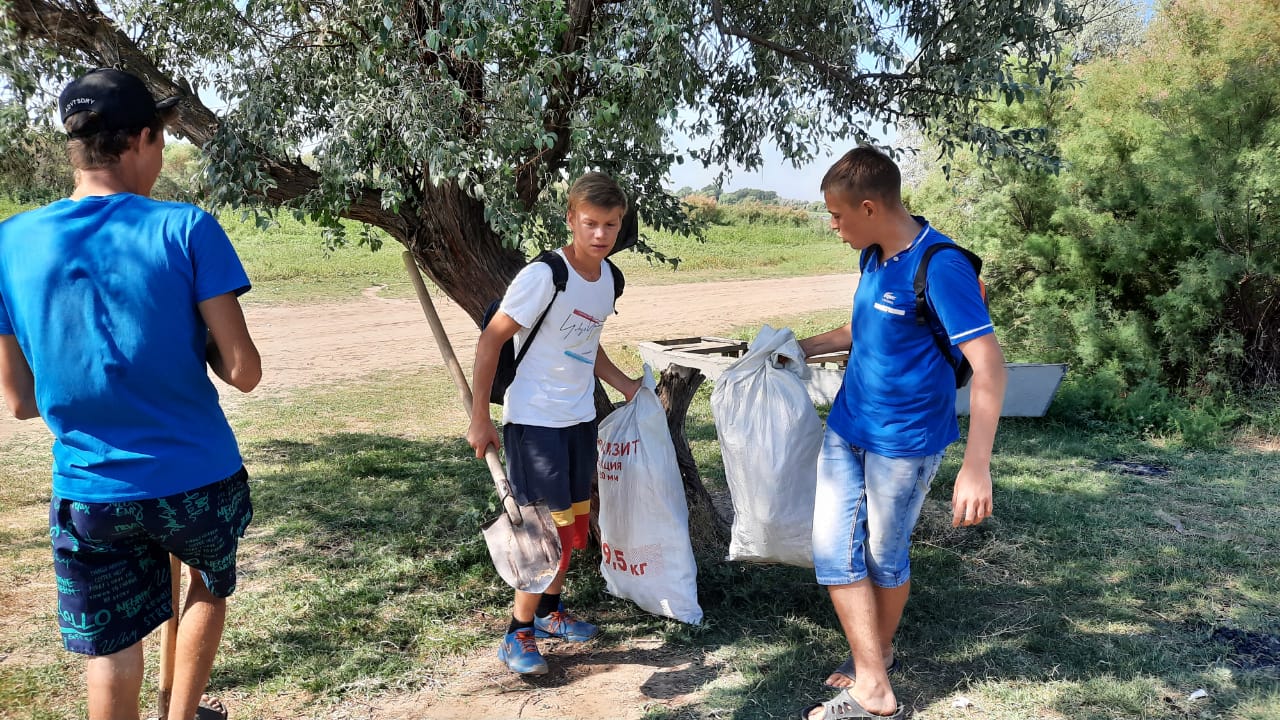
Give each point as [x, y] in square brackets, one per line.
[1030, 390]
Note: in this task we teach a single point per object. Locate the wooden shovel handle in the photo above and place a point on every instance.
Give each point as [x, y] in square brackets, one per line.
[169, 640]
[460, 380]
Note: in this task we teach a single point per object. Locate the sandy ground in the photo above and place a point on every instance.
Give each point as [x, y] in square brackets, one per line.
[305, 345]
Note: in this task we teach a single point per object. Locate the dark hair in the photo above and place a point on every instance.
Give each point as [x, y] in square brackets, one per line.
[96, 149]
[597, 189]
[864, 172]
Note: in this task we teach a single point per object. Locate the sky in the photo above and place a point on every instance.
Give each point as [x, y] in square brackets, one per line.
[776, 173]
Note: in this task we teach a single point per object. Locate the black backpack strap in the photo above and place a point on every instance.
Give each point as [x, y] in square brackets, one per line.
[925, 315]
[619, 282]
[559, 268]
[559, 279]
[921, 284]
[864, 257]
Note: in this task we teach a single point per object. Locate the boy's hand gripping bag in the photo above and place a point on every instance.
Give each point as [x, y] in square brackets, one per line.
[644, 518]
[770, 437]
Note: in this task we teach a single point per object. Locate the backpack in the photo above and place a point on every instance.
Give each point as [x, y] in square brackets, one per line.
[924, 313]
[508, 360]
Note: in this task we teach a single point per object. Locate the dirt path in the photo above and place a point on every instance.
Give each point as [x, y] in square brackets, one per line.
[305, 345]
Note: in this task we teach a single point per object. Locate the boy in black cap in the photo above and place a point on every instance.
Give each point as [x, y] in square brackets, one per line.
[111, 305]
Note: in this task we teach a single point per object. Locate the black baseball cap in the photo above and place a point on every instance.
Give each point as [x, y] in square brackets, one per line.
[121, 101]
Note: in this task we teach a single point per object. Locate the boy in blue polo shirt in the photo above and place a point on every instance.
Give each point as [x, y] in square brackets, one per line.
[111, 306]
[892, 420]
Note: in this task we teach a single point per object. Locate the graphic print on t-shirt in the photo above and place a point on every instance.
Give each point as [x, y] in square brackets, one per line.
[581, 334]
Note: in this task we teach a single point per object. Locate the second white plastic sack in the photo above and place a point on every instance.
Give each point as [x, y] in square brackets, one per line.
[770, 436]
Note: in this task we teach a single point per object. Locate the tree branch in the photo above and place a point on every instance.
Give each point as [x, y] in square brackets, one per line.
[87, 30]
[827, 70]
[561, 99]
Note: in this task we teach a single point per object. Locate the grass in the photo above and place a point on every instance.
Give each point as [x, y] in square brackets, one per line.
[363, 574]
[742, 251]
[287, 263]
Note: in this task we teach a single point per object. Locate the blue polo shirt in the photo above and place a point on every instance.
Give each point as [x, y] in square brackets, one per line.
[101, 293]
[898, 398]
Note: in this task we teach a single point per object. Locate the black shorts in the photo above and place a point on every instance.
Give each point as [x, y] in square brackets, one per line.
[554, 465]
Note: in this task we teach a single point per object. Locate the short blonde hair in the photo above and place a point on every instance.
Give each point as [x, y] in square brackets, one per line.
[596, 188]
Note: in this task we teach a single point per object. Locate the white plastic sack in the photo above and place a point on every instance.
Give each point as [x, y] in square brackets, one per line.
[770, 437]
[644, 520]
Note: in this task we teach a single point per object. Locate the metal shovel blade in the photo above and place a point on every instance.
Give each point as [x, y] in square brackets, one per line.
[526, 555]
[523, 541]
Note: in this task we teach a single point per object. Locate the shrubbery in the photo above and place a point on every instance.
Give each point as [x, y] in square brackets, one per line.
[705, 209]
[38, 171]
[755, 213]
[1151, 262]
[34, 168]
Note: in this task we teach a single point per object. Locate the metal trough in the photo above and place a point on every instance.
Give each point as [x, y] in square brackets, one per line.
[1030, 390]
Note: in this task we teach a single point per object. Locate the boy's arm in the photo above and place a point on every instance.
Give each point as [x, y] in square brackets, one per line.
[229, 350]
[971, 499]
[610, 373]
[481, 433]
[16, 380]
[838, 340]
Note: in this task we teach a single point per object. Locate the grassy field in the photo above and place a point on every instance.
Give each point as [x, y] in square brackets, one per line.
[1119, 575]
[363, 574]
[287, 264]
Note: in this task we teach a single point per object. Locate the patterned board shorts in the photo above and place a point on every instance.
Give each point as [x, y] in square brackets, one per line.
[112, 564]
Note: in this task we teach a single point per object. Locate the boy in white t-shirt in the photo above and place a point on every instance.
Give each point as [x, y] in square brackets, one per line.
[549, 411]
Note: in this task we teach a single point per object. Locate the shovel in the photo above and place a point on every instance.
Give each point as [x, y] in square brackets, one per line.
[523, 541]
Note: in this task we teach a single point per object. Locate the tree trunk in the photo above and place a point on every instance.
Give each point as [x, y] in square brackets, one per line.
[708, 527]
[455, 247]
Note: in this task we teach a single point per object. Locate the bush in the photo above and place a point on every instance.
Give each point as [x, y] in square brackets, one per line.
[754, 213]
[34, 167]
[703, 210]
[1102, 401]
[1153, 258]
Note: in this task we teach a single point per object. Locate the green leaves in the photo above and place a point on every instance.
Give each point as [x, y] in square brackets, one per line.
[1152, 257]
[455, 123]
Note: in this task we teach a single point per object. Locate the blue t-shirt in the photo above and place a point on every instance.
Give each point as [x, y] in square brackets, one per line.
[898, 398]
[101, 293]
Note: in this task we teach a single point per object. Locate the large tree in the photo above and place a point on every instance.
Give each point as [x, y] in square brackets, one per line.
[451, 125]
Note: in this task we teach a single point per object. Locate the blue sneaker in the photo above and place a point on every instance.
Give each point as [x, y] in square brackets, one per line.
[520, 652]
[560, 624]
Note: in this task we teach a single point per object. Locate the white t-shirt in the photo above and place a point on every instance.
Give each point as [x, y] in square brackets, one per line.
[555, 383]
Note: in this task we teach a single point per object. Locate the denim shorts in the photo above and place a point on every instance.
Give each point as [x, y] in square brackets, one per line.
[864, 511]
[112, 559]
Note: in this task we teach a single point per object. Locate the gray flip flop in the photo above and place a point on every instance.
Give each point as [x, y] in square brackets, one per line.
[844, 707]
[846, 669]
